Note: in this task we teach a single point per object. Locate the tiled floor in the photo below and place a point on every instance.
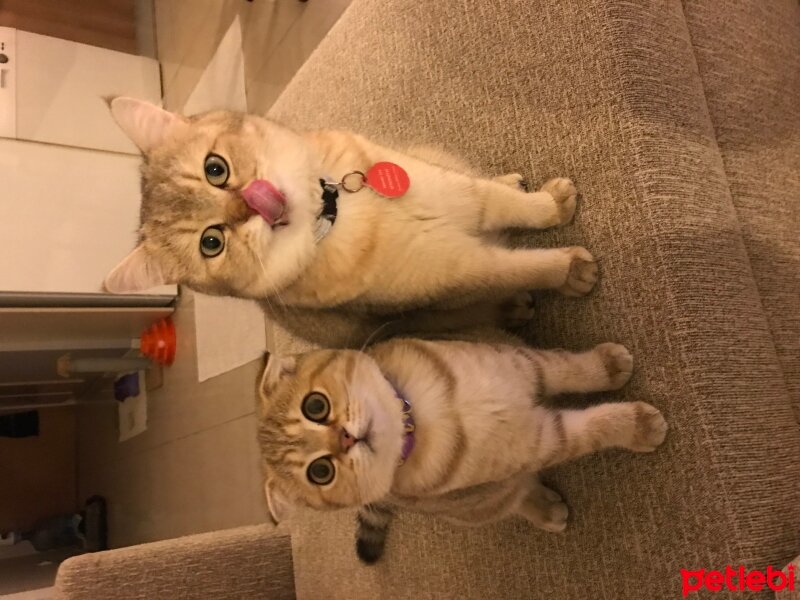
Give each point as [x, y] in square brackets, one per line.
[277, 38]
[196, 468]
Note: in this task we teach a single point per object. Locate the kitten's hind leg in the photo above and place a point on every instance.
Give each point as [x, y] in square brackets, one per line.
[514, 180]
[516, 311]
[505, 206]
[605, 367]
[372, 527]
[544, 507]
[568, 434]
[510, 313]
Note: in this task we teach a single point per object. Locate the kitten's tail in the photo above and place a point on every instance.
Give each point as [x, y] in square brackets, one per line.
[373, 525]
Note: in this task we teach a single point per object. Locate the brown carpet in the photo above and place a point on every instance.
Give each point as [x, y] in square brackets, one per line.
[686, 167]
[248, 562]
[749, 59]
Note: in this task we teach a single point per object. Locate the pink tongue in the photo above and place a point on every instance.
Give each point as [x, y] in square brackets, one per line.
[265, 199]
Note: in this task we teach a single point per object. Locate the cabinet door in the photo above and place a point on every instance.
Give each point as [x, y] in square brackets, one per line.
[69, 178]
[70, 215]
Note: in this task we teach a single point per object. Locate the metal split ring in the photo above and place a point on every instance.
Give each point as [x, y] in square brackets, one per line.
[354, 185]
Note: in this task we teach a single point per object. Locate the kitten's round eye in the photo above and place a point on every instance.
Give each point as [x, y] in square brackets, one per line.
[216, 170]
[321, 471]
[315, 407]
[212, 242]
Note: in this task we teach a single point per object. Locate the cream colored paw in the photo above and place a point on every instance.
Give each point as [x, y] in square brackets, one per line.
[514, 180]
[618, 362]
[565, 195]
[544, 508]
[517, 310]
[582, 273]
[650, 428]
[554, 512]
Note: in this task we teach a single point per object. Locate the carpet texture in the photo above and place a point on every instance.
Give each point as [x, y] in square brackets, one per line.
[748, 56]
[248, 562]
[686, 157]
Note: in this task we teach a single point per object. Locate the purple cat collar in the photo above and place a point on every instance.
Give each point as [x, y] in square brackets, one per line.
[409, 439]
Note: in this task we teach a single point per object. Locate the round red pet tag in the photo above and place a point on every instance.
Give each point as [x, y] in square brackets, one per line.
[387, 179]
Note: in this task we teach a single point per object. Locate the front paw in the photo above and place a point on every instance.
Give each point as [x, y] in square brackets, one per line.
[516, 311]
[554, 512]
[565, 196]
[618, 363]
[545, 509]
[582, 275]
[650, 428]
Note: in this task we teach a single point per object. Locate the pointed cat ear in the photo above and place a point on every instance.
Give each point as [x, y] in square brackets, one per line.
[276, 368]
[279, 506]
[137, 271]
[146, 124]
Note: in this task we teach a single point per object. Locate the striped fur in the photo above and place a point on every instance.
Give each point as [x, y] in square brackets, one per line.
[434, 247]
[482, 432]
[372, 526]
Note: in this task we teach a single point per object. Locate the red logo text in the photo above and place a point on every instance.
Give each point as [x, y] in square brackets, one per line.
[737, 580]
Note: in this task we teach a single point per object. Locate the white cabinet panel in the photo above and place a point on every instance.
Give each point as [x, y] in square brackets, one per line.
[61, 86]
[69, 216]
[8, 87]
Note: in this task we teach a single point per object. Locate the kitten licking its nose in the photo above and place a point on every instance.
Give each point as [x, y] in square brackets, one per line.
[328, 222]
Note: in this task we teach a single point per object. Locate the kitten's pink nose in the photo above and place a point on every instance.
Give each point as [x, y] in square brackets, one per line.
[346, 441]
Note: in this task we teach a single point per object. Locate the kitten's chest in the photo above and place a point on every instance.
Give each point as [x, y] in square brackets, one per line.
[376, 246]
[475, 415]
[385, 251]
[430, 191]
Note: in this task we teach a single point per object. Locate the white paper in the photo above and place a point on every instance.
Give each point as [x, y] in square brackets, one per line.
[132, 412]
[230, 332]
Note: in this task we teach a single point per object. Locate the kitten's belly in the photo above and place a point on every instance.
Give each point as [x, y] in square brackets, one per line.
[483, 428]
[383, 276]
[388, 254]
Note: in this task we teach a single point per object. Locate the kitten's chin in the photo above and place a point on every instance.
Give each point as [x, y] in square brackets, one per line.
[281, 254]
[377, 461]
[375, 479]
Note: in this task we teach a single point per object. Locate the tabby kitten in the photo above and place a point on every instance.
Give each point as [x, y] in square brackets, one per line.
[234, 204]
[453, 428]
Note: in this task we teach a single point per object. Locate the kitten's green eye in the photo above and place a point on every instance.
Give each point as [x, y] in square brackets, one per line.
[212, 242]
[216, 170]
[321, 471]
[316, 407]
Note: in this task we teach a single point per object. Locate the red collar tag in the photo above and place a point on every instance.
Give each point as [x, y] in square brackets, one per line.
[387, 179]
